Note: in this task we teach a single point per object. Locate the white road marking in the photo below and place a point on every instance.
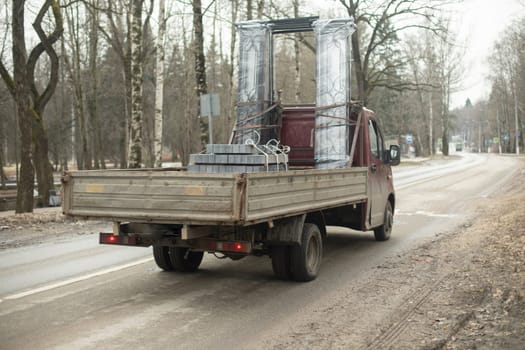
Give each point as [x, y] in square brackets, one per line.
[74, 280]
[425, 213]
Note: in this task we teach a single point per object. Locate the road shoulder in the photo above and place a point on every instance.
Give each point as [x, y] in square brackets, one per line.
[463, 289]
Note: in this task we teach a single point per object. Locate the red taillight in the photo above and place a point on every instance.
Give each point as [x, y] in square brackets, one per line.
[236, 247]
[110, 238]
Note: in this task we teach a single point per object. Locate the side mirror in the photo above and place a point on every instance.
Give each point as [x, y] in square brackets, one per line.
[394, 155]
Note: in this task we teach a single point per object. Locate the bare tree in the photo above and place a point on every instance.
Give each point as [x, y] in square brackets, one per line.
[92, 93]
[75, 69]
[423, 73]
[30, 102]
[508, 76]
[376, 30]
[119, 38]
[450, 69]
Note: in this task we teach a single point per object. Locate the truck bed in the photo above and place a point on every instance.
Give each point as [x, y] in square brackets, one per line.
[182, 197]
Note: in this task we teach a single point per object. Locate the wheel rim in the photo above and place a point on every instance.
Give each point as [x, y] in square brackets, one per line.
[313, 251]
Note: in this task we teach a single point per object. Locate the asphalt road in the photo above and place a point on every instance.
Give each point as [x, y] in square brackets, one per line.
[77, 295]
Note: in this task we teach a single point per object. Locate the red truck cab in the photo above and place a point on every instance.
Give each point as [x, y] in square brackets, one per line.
[298, 132]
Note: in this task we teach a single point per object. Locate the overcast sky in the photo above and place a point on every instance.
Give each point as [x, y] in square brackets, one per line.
[480, 23]
[477, 23]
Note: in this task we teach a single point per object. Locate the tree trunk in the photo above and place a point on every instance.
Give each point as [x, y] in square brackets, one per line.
[200, 62]
[92, 96]
[444, 137]
[43, 168]
[231, 114]
[260, 9]
[445, 114]
[3, 161]
[3, 177]
[297, 56]
[159, 86]
[25, 185]
[40, 100]
[126, 116]
[26, 180]
[430, 125]
[249, 9]
[74, 70]
[358, 69]
[135, 156]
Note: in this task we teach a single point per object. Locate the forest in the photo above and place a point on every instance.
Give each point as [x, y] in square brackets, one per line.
[95, 84]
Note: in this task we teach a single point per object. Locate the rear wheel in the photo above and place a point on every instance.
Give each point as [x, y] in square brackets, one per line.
[306, 258]
[185, 260]
[382, 233]
[162, 257]
[281, 262]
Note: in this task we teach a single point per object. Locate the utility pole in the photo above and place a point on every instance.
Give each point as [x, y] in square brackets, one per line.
[517, 133]
[431, 117]
[499, 130]
[479, 134]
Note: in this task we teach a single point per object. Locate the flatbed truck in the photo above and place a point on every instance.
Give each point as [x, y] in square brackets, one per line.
[283, 214]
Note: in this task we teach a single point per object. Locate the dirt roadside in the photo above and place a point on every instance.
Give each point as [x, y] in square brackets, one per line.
[43, 225]
[461, 290]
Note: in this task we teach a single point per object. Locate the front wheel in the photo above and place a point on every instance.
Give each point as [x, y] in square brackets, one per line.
[185, 260]
[382, 233]
[306, 258]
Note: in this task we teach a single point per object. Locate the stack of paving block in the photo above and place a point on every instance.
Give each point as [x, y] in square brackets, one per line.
[238, 158]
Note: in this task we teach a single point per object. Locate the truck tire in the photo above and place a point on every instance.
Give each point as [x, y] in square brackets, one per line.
[162, 257]
[306, 258]
[382, 233]
[280, 255]
[185, 260]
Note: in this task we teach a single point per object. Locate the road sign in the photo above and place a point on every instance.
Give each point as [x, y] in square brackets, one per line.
[506, 137]
[495, 140]
[517, 134]
[409, 139]
[210, 105]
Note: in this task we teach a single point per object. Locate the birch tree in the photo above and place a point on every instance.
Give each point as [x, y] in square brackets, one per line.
[159, 86]
[200, 60]
[135, 155]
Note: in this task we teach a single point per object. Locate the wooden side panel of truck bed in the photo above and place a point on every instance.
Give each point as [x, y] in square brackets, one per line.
[168, 196]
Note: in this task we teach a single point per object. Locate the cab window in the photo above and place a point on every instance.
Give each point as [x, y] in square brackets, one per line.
[376, 140]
